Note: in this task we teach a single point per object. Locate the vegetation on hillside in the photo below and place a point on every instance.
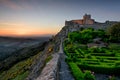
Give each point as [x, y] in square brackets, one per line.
[18, 67]
[20, 70]
[20, 55]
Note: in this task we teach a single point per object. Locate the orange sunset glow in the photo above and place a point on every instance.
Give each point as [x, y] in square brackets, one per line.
[23, 32]
[21, 29]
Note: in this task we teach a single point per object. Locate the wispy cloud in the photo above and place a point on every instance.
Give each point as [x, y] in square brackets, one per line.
[9, 24]
[16, 4]
[10, 4]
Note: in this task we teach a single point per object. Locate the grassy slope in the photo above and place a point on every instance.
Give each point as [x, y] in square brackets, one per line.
[20, 70]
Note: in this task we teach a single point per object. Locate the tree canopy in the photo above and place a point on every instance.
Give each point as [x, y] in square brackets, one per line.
[114, 32]
[85, 35]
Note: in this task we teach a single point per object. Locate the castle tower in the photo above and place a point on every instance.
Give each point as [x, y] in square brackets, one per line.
[87, 19]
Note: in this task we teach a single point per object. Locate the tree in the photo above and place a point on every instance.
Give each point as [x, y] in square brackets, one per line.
[87, 35]
[83, 36]
[74, 36]
[100, 33]
[114, 32]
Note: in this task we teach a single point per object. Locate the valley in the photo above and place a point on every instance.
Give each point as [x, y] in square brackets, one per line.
[9, 45]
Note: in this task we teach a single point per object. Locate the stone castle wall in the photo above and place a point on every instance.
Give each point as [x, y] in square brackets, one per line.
[72, 26]
[87, 22]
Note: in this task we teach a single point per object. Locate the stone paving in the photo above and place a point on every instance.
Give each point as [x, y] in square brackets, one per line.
[64, 72]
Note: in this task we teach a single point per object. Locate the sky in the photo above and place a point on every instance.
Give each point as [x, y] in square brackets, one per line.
[47, 17]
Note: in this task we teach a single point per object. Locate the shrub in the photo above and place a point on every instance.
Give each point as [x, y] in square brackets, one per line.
[48, 59]
[70, 48]
[117, 63]
[88, 76]
[97, 50]
[66, 42]
[76, 71]
[88, 56]
[103, 54]
[101, 68]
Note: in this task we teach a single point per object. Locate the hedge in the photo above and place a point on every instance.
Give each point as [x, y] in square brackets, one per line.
[76, 71]
[100, 68]
[103, 54]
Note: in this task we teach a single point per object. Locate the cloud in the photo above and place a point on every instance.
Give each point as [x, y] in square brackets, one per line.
[11, 25]
[1, 23]
[16, 4]
[10, 4]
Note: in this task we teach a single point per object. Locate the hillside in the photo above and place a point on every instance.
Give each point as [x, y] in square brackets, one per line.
[61, 70]
[9, 45]
[16, 51]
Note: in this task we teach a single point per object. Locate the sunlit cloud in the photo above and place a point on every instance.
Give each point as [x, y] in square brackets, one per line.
[16, 5]
[10, 4]
[9, 24]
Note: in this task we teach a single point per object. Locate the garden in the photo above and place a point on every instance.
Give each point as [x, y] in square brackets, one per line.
[92, 51]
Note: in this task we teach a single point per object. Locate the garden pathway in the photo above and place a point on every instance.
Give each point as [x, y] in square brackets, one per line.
[64, 73]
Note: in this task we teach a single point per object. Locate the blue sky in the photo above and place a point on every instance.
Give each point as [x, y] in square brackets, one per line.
[42, 17]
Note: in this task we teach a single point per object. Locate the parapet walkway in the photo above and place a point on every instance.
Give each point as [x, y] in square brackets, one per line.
[64, 72]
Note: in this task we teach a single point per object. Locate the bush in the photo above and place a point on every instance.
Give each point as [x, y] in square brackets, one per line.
[88, 76]
[66, 42]
[103, 54]
[70, 48]
[101, 68]
[96, 50]
[88, 56]
[76, 71]
[117, 63]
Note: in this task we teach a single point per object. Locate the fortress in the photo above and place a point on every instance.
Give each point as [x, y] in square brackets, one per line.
[86, 22]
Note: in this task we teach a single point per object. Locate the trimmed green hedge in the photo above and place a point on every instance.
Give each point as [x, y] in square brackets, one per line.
[101, 68]
[98, 59]
[103, 54]
[76, 71]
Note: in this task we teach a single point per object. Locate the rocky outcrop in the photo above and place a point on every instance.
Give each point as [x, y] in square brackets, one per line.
[50, 71]
[39, 64]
